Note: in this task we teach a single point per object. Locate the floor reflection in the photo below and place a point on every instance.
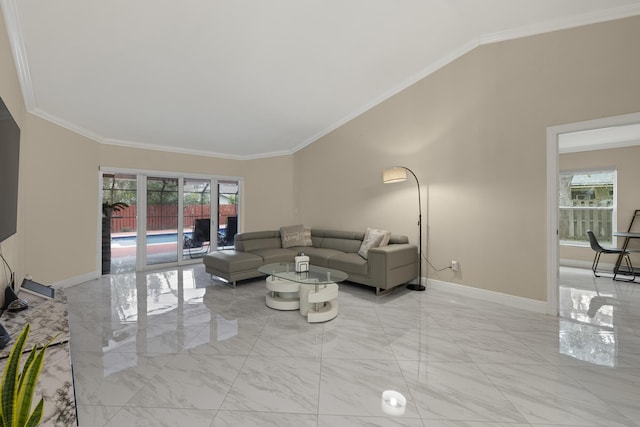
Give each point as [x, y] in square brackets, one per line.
[593, 314]
[208, 354]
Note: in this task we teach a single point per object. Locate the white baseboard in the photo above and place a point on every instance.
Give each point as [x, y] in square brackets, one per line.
[491, 296]
[565, 262]
[72, 281]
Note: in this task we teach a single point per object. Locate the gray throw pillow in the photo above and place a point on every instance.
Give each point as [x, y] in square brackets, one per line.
[296, 235]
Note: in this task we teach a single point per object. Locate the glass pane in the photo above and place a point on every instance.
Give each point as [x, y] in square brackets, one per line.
[227, 213]
[162, 220]
[119, 202]
[586, 203]
[197, 217]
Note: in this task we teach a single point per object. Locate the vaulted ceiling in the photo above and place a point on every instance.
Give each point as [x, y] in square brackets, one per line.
[250, 78]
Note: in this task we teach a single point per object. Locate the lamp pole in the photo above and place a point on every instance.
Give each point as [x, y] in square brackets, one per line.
[419, 286]
[399, 174]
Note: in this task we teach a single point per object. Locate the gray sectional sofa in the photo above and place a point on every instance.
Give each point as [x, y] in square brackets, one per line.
[385, 267]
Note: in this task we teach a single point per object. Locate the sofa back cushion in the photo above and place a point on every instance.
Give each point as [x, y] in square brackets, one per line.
[397, 239]
[345, 241]
[250, 241]
[344, 245]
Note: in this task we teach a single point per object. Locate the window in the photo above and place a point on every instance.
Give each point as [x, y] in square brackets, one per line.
[587, 202]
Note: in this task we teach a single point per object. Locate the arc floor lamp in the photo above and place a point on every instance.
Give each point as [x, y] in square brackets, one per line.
[399, 174]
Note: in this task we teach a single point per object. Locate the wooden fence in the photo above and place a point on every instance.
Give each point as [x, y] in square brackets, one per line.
[576, 220]
[165, 217]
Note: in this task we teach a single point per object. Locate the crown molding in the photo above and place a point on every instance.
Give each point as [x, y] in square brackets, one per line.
[146, 146]
[562, 24]
[182, 150]
[14, 31]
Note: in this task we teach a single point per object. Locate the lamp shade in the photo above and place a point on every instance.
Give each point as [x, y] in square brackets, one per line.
[394, 174]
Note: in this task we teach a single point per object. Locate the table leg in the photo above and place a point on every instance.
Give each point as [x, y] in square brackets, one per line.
[616, 268]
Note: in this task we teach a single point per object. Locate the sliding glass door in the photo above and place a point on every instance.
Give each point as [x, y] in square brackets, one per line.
[176, 220]
[228, 192]
[162, 220]
[119, 222]
[197, 224]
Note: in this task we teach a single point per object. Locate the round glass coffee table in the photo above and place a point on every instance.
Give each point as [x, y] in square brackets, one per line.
[313, 292]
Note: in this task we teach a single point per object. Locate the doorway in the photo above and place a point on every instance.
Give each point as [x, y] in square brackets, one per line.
[589, 135]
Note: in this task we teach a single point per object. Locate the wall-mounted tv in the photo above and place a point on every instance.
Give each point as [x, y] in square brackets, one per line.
[9, 163]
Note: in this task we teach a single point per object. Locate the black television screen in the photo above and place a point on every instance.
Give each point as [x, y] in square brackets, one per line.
[9, 163]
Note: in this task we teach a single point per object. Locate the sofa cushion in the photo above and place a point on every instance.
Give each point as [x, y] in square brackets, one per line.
[372, 239]
[398, 239]
[256, 244]
[251, 240]
[295, 235]
[271, 255]
[232, 261]
[318, 256]
[345, 241]
[343, 245]
[349, 263]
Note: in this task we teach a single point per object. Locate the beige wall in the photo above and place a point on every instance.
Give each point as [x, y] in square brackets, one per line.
[475, 135]
[268, 189]
[625, 161]
[58, 176]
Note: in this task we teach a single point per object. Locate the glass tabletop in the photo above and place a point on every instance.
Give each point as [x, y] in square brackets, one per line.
[315, 276]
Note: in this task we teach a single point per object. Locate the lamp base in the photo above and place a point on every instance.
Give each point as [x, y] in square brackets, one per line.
[416, 287]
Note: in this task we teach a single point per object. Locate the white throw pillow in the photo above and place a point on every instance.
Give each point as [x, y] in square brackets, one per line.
[386, 238]
[372, 239]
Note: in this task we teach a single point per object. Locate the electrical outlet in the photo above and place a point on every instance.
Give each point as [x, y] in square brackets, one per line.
[454, 265]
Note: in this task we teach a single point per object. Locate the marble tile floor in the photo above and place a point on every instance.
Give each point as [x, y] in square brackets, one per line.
[173, 348]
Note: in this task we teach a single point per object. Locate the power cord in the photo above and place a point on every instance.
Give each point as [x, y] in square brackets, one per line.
[9, 279]
[434, 268]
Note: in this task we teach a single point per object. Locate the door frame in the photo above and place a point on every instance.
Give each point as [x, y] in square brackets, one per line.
[553, 176]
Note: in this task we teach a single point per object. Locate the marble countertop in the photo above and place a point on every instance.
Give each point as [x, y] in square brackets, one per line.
[48, 319]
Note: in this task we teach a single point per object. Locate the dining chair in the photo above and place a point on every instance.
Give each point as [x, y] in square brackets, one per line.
[599, 250]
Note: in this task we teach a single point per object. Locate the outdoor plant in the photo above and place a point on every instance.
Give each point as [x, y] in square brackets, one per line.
[108, 208]
[18, 387]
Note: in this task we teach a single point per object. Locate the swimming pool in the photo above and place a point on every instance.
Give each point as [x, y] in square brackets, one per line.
[126, 241]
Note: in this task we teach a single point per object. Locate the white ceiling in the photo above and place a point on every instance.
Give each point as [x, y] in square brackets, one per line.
[246, 79]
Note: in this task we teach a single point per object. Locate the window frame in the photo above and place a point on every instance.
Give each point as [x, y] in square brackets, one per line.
[609, 239]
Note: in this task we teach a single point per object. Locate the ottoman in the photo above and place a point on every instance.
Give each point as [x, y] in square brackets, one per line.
[232, 265]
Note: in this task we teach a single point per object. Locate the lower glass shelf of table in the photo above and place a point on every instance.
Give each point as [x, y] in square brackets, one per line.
[313, 292]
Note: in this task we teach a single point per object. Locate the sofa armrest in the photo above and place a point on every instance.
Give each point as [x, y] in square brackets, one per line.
[393, 264]
[395, 255]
